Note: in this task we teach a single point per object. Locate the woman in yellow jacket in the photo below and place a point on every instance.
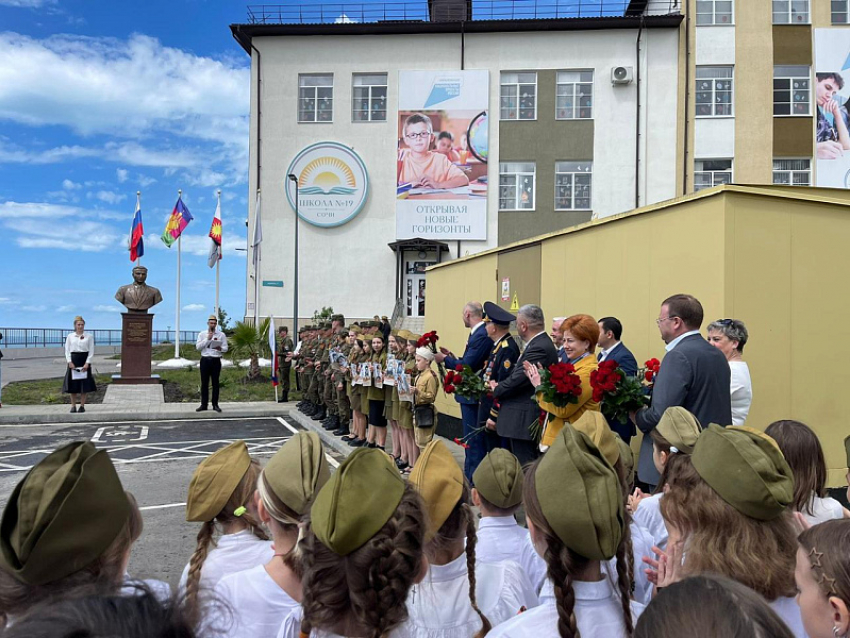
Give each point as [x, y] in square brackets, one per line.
[581, 332]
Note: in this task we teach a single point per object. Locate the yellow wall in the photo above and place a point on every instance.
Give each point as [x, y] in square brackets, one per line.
[773, 260]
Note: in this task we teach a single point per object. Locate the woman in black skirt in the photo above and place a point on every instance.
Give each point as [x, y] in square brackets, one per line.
[79, 350]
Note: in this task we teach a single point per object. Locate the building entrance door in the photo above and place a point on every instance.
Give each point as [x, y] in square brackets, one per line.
[415, 297]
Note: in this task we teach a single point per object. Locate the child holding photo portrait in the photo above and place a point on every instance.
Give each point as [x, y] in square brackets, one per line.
[418, 165]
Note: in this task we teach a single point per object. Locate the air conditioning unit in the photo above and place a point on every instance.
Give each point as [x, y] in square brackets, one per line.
[622, 75]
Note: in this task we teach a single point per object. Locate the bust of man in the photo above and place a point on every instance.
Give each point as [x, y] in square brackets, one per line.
[138, 296]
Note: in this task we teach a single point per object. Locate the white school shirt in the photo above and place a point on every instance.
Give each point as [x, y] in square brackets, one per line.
[258, 604]
[291, 628]
[598, 611]
[233, 553]
[501, 538]
[160, 589]
[203, 343]
[824, 509]
[79, 343]
[648, 514]
[789, 611]
[439, 606]
[741, 387]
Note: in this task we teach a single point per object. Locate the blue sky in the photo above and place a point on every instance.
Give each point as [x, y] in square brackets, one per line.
[101, 99]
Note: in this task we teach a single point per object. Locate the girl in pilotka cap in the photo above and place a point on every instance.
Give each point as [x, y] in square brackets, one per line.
[221, 494]
[574, 508]
[362, 552]
[261, 597]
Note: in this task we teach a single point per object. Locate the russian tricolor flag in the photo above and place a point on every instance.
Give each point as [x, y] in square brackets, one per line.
[137, 233]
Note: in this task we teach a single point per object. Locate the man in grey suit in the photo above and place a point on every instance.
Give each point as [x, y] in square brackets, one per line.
[691, 376]
[518, 408]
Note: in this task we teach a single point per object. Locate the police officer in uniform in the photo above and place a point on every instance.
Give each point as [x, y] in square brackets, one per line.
[500, 364]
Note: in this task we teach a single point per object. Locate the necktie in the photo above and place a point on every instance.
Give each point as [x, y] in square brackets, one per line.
[600, 355]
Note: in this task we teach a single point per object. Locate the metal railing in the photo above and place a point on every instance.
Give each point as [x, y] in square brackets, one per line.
[398, 313]
[418, 10]
[55, 337]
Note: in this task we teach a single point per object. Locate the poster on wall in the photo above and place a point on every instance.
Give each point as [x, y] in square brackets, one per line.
[441, 163]
[831, 96]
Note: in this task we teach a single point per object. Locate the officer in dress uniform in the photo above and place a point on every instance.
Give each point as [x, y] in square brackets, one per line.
[500, 364]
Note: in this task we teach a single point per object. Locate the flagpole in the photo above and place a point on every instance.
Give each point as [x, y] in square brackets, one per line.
[258, 259]
[217, 264]
[177, 322]
[138, 205]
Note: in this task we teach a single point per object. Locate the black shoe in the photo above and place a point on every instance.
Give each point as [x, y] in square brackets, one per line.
[400, 464]
[319, 416]
[216, 408]
[81, 409]
[357, 443]
[73, 409]
[341, 431]
[372, 445]
[281, 400]
[285, 397]
[203, 408]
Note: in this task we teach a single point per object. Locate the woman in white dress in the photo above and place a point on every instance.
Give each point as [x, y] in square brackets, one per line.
[730, 336]
[221, 496]
[728, 513]
[79, 351]
[802, 449]
[263, 596]
[574, 508]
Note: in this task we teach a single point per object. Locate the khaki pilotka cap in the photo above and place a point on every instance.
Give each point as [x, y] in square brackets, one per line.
[746, 469]
[405, 334]
[357, 501]
[595, 426]
[64, 514]
[298, 471]
[214, 481]
[580, 495]
[498, 478]
[680, 429]
[439, 480]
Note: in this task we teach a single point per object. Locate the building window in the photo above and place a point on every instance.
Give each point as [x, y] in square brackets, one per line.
[840, 11]
[708, 173]
[574, 92]
[714, 91]
[792, 172]
[516, 186]
[714, 12]
[572, 185]
[518, 96]
[792, 89]
[790, 11]
[316, 98]
[369, 97]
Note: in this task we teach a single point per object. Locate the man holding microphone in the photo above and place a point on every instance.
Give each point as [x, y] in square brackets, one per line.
[211, 343]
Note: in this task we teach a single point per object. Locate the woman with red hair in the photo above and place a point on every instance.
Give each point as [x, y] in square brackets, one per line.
[581, 332]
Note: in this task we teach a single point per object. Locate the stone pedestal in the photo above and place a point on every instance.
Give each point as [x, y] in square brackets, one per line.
[137, 328]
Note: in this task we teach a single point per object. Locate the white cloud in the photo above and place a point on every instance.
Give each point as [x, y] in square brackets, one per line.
[34, 308]
[26, 223]
[41, 210]
[105, 308]
[194, 307]
[65, 309]
[5, 301]
[121, 173]
[28, 4]
[68, 185]
[108, 197]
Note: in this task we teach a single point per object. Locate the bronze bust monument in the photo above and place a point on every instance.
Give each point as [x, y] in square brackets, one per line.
[138, 296]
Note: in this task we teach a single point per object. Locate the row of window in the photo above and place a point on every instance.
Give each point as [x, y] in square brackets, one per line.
[573, 182]
[791, 172]
[517, 96]
[721, 12]
[792, 91]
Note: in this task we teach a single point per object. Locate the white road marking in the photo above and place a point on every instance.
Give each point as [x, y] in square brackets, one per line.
[161, 507]
[141, 418]
[119, 431]
[334, 463]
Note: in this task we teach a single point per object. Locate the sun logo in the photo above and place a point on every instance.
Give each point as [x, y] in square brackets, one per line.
[327, 176]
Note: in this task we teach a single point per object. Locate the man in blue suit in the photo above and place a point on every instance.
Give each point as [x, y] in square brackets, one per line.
[612, 349]
[478, 347]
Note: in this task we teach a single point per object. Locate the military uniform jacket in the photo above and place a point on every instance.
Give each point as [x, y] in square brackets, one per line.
[500, 364]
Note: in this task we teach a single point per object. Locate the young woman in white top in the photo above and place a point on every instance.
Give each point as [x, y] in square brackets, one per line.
[221, 496]
[263, 596]
[79, 351]
[803, 452]
[730, 336]
[458, 597]
[574, 508]
[823, 579]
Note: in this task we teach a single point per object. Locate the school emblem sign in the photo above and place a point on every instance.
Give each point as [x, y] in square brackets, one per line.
[332, 184]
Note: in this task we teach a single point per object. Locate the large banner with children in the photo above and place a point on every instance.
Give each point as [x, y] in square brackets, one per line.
[831, 97]
[441, 164]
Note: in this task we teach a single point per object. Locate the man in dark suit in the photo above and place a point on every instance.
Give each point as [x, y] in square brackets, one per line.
[612, 349]
[692, 375]
[500, 364]
[518, 409]
[478, 347]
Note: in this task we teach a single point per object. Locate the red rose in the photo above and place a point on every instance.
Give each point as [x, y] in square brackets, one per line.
[449, 388]
[576, 391]
[459, 367]
[597, 395]
[458, 377]
[648, 375]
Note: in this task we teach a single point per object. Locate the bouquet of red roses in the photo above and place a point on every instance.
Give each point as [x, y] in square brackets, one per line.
[464, 381]
[428, 340]
[560, 384]
[620, 394]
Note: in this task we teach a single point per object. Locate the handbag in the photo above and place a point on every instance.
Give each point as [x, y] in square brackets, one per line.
[424, 416]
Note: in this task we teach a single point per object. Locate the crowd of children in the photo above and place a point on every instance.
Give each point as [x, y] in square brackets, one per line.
[739, 540]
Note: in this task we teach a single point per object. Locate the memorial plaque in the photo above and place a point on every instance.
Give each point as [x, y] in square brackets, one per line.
[137, 329]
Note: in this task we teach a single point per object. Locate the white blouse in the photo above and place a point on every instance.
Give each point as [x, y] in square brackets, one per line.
[79, 343]
[742, 391]
[501, 538]
[648, 515]
[823, 509]
[233, 553]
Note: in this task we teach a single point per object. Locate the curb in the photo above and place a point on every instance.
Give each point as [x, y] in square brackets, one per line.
[328, 439]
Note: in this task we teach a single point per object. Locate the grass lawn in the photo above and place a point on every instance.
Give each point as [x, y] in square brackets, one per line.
[180, 386]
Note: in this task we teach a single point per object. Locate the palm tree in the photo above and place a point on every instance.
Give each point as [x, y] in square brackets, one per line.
[249, 342]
